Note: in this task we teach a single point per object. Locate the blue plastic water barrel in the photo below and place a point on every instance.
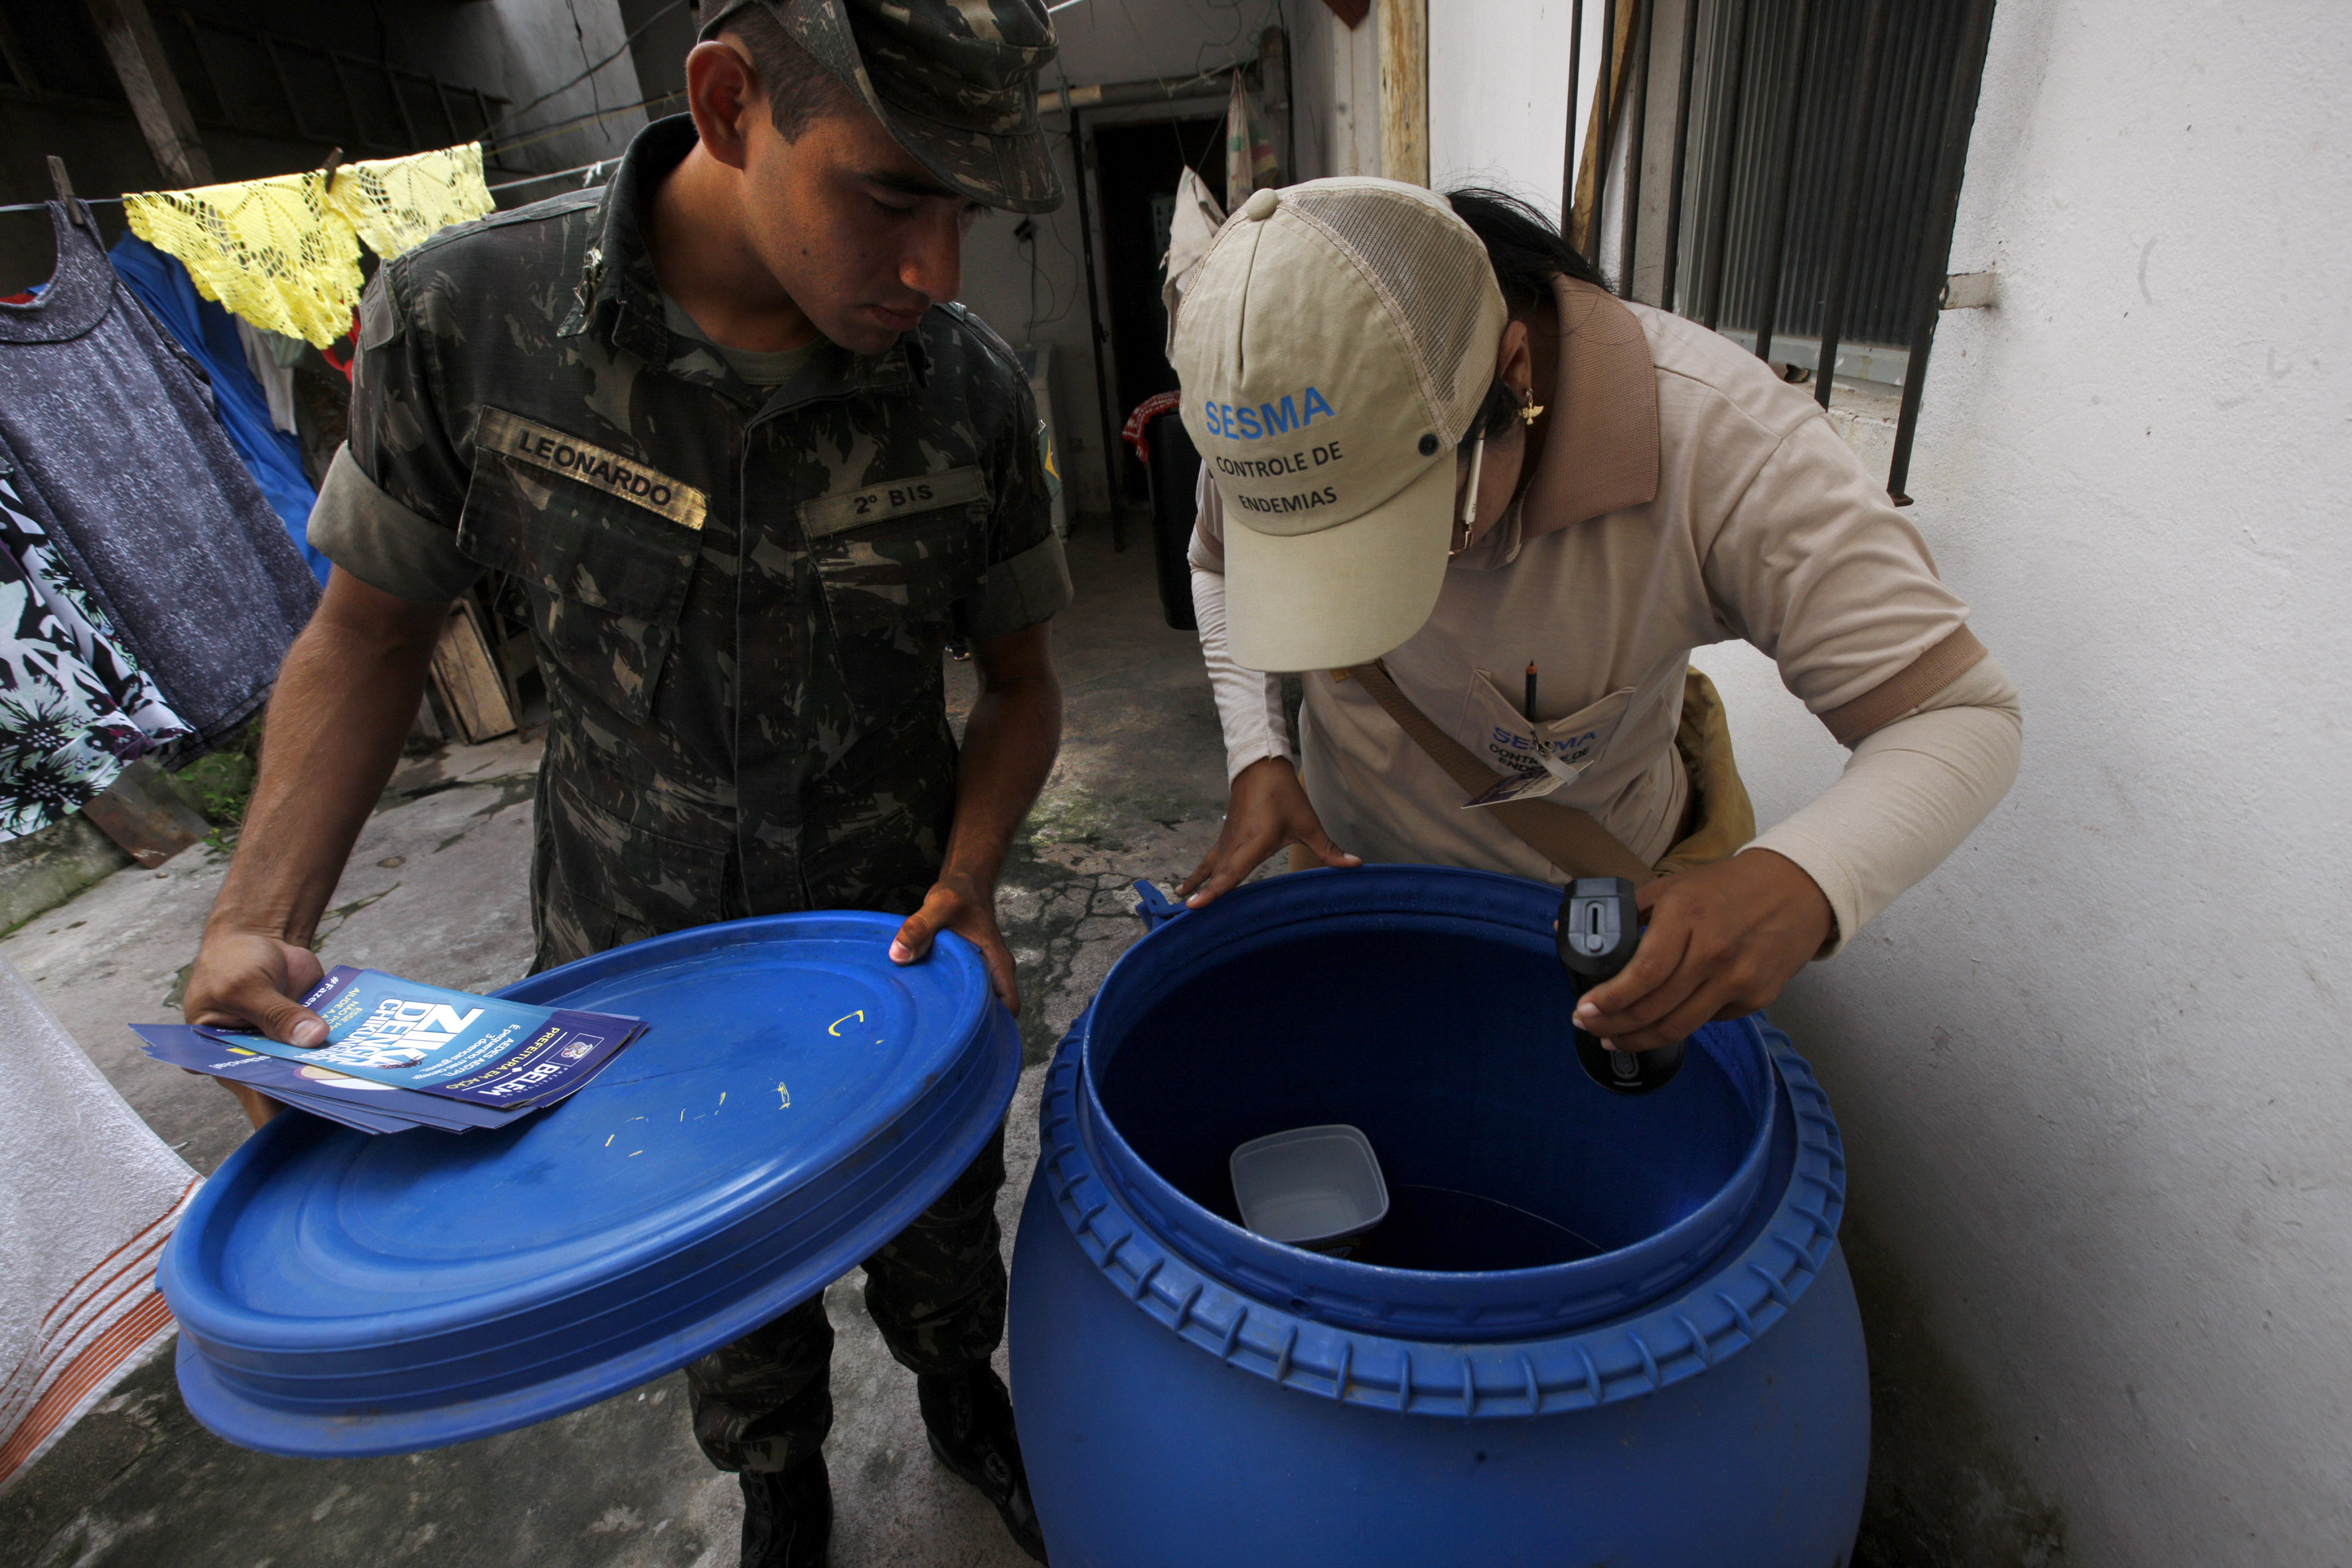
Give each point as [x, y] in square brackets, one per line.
[797, 1099]
[1592, 1330]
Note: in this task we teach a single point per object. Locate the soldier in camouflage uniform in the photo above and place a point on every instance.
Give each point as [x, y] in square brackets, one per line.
[743, 565]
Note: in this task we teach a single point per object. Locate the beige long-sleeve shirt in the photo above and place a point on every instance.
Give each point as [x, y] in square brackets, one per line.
[1686, 496]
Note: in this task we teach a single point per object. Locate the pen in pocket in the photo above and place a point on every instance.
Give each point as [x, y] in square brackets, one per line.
[1531, 692]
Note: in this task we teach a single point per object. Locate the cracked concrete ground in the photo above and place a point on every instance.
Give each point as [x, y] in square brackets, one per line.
[436, 889]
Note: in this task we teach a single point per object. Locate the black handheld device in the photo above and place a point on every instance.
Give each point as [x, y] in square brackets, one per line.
[1600, 927]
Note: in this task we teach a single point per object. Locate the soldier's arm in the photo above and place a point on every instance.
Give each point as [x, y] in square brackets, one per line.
[1016, 724]
[1008, 749]
[348, 689]
[345, 698]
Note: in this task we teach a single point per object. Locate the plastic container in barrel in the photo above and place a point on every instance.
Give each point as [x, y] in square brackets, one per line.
[795, 1101]
[1173, 468]
[1590, 1329]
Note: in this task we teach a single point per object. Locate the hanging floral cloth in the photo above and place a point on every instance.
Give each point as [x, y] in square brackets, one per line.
[284, 253]
[75, 707]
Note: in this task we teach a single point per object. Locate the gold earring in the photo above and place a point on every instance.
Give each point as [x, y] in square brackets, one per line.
[1529, 409]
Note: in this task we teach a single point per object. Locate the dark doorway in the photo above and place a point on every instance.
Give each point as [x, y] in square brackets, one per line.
[1136, 170]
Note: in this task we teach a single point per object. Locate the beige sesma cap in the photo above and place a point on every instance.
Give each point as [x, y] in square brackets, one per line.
[1335, 345]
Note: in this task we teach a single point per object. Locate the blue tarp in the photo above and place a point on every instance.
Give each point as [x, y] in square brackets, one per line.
[209, 335]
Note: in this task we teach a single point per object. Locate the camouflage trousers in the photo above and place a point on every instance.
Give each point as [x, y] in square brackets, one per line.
[937, 1292]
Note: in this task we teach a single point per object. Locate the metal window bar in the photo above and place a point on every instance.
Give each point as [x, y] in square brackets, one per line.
[1673, 253]
[1082, 162]
[1645, 25]
[1849, 203]
[342, 85]
[1776, 247]
[286, 89]
[1574, 141]
[1604, 100]
[400, 105]
[1934, 256]
[448, 115]
[1719, 236]
[358, 134]
[1813, 178]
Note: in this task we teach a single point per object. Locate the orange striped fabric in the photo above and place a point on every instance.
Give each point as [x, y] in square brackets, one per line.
[100, 1327]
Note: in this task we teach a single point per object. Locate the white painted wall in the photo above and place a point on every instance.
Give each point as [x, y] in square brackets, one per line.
[531, 47]
[1102, 41]
[2094, 1073]
[1510, 131]
[1336, 83]
[2097, 1067]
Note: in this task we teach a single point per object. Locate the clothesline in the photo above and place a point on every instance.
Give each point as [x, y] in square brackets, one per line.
[537, 133]
[501, 185]
[557, 127]
[558, 175]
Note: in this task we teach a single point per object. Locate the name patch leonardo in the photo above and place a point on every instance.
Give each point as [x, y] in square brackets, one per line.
[543, 448]
[923, 492]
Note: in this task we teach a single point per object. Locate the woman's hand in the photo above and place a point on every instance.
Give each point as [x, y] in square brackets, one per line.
[1721, 941]
[1269, 811]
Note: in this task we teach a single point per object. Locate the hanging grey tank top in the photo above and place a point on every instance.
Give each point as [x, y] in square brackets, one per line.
[108, 429]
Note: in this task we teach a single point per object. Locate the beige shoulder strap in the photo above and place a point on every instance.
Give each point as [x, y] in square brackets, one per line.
[1568, 838]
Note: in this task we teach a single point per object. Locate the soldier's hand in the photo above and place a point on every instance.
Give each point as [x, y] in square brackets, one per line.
[249, 980]
[1268, 811]
[956, 905]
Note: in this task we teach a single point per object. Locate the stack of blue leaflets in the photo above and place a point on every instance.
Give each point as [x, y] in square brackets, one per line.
[399, 1055]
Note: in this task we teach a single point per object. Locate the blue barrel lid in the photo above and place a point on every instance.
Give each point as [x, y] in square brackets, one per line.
[796, 1101]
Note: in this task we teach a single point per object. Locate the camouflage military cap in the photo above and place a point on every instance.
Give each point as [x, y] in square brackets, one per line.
[955, 80]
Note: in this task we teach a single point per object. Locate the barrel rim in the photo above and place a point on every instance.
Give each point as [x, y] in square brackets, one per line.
[1721, 1313]
[1492, 1305]
[1753, 1282]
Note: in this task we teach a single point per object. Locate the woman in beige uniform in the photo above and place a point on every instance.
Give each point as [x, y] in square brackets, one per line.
[1438, 452]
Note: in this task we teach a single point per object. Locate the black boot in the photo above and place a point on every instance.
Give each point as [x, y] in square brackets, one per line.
[787, 1515]
[971, 1420]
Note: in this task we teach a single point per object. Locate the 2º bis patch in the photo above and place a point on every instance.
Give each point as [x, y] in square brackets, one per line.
[892, 497]
[542, 447]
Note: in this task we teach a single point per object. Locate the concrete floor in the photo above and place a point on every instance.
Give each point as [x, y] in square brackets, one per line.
[437, 889]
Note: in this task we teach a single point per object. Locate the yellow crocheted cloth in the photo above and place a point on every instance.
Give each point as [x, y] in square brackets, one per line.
[396, 202]
[271, 250]
[284, 253]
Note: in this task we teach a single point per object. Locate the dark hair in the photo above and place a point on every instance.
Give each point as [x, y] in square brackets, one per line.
[799, 89]
[1526, 248]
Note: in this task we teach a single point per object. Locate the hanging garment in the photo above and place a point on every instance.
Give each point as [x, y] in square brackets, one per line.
[284, 253]
[1249, 146]
[141, 494]
[75, 708]
[1190, 229]
[212, 338]
[88, 1196]
[272, 356]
